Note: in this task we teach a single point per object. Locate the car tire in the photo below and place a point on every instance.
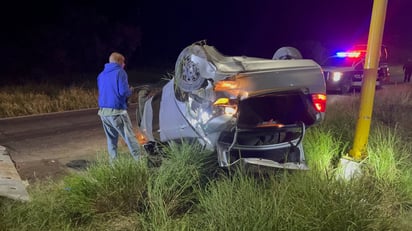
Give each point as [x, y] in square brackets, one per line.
[378, 87]
[345, 87]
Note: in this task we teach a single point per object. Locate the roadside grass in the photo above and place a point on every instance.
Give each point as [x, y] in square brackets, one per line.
[299, 201]
[174, 187]
[188, 191]
[30, 98]
[33, 99]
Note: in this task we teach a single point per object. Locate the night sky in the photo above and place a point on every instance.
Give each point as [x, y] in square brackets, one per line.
[74, 36]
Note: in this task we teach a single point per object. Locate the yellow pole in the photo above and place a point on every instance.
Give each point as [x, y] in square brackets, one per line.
[358, 151]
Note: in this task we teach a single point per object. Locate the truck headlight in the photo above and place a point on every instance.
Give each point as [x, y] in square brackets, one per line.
[336, 76]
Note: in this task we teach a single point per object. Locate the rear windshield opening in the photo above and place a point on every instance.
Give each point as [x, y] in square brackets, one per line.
[284, 108]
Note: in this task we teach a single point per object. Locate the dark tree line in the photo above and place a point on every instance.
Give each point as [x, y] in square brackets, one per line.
[66, 39]
[73, 41]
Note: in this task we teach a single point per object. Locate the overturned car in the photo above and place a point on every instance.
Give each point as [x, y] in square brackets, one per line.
[249, 110]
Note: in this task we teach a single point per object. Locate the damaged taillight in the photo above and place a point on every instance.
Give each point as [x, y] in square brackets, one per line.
[228, 107]
[319, 102]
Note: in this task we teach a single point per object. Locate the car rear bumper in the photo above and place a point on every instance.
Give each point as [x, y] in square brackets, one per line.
[287, 154]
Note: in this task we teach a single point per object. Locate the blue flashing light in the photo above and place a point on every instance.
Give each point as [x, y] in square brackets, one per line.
[341, 54]
[348, 54]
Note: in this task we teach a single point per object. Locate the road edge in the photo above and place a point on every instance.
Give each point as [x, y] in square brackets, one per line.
[11, 185]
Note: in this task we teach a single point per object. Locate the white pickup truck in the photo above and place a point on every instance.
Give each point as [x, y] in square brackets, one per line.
[344, 70]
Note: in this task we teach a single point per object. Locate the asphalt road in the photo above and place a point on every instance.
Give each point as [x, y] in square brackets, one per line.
[42, 145]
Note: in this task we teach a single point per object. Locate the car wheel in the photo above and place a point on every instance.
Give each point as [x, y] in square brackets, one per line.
[381, 80]
[345, 87]
[378, 87]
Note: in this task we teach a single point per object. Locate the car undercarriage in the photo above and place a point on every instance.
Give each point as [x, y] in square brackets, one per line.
[246, 109]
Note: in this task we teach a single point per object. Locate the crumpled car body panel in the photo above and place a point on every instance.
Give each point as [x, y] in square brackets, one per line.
[247, 109]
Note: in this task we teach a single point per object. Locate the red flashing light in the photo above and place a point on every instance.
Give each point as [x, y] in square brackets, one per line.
[319, 102]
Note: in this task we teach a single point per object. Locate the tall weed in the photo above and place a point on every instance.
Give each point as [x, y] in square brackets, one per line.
[173, 187]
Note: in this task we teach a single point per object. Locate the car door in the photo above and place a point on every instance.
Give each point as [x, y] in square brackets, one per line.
[358, 73]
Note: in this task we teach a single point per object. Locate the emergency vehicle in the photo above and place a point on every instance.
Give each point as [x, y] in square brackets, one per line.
[344, 70]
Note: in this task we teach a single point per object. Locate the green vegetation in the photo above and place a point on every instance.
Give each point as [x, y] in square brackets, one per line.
[188, 191]
[32, 99]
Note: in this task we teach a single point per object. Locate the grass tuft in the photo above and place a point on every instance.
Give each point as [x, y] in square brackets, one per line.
[173, 187]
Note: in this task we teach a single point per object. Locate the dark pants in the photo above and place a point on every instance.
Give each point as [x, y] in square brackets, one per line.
[407, 77]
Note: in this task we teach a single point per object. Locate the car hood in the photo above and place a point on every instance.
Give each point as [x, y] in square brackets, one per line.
[341, 69]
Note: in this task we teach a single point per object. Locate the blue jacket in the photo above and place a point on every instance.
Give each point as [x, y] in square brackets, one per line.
[113, 87]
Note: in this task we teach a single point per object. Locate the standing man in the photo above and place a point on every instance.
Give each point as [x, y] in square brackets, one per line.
[407, 68]
[114, 90]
